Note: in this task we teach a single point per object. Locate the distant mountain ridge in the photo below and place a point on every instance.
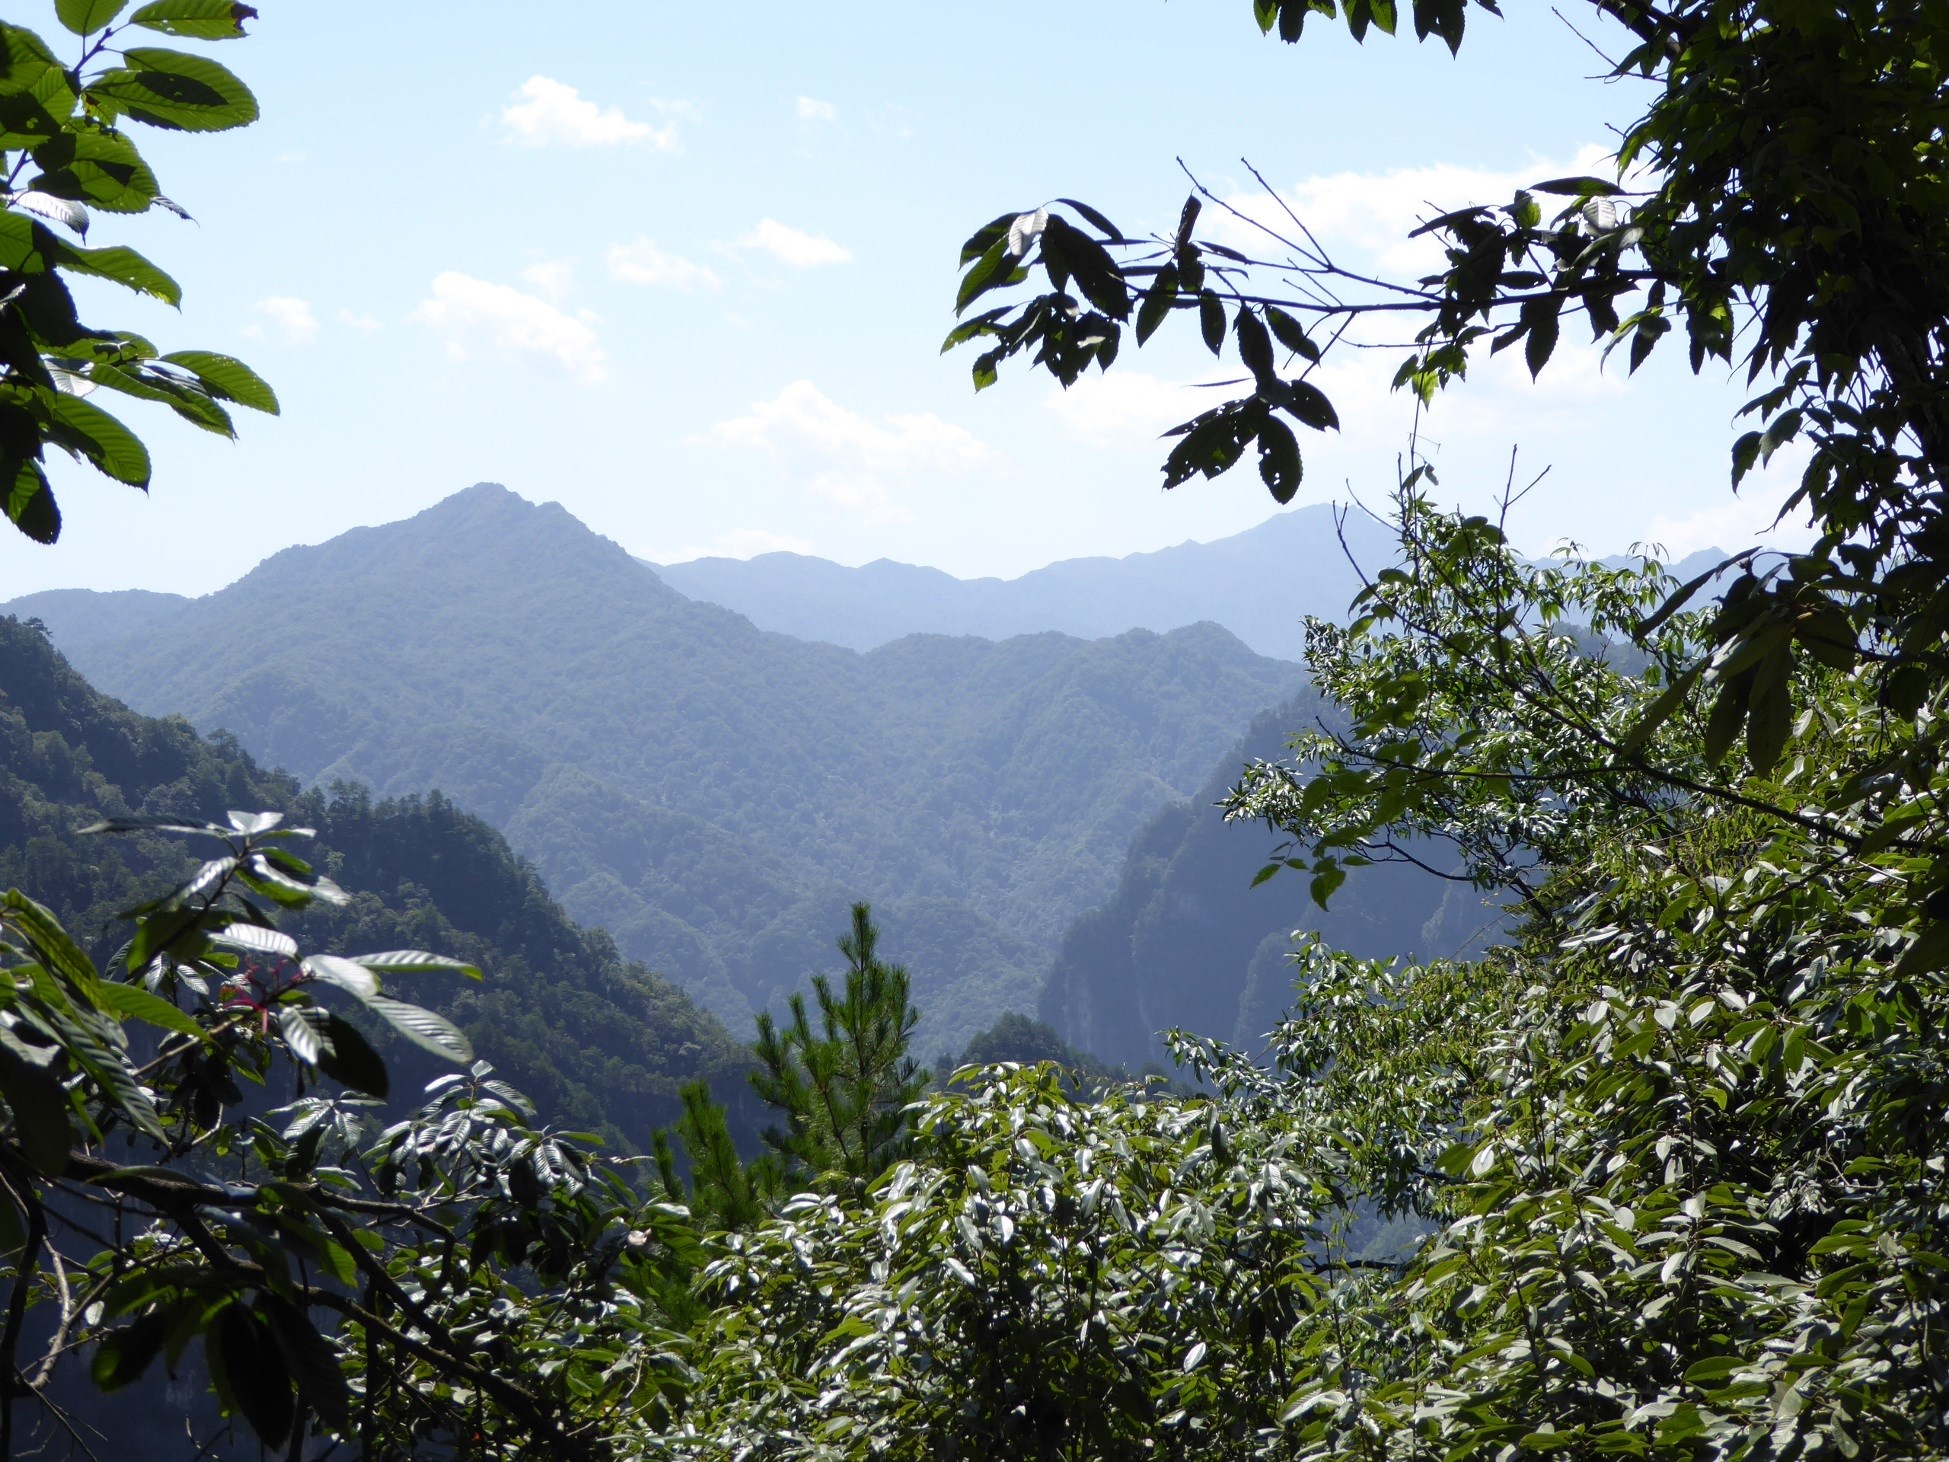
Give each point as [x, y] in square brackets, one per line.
[1259, 584]
[711, 793]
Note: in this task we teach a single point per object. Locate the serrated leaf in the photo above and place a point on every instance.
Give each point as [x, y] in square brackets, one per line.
[30, 504]
[85, 429]
[1211, 320]
[227, 378]
[198, 20]
[85, 17]
[174, 89]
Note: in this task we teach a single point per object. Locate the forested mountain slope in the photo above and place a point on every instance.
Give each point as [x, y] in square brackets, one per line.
[597, 1042]
[1188, 941]
[711, 793]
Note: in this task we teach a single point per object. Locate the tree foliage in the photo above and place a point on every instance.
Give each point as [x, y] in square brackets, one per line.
[1783, 197]
[67, 155]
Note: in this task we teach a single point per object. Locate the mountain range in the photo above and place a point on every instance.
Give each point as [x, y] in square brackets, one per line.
[711, 793]
[1259, 584]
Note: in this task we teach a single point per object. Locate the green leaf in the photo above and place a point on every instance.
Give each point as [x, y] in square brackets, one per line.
[349, 1059]
[1310, 404]
[124, 267]
[1254, 345]
[132, 1002]
[412, 961]
[174, 89]
[199, 20]
[85, 17]
[300, 1035]
[1544, 322]
[1096, 219]
[1291, 335]
[123, 1355]
[1578, 187]
[423, 1028]
[84, 428]
[25, 120]
[249, 1371]
[1211, 318]
[348, 975]
[1157, 302]
[1280, 465]
[1728, 715]
[310, 1361]
[1769, 719]
[52, 944]
[94, 165]
[1713, 1369]
[30, 504]
[228, 378]
[39, 1103]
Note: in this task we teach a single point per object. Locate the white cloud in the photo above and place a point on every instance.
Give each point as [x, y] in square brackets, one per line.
[290, 316]
[1124, 405]
[813, 110]
[546, 112]
[1736, 522]
[643, 262]
[794, 247]
[472, 314]
[551, 277]
[849, 458]
[365, 323]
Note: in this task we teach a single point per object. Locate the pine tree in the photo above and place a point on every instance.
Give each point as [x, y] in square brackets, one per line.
[843, 1089]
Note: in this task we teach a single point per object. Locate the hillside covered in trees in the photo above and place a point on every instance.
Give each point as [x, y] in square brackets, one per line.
[711, 794]
[599, 1042]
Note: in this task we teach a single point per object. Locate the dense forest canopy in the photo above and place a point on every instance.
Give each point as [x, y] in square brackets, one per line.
[1662, 1175]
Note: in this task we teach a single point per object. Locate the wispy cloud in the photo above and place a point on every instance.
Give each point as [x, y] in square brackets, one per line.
[793, 247]
[813, 110]
[290, 316]
[642, 262]
[1125, 405]
[474, 314]
[551, 278]
[550, 113]
[851, 459]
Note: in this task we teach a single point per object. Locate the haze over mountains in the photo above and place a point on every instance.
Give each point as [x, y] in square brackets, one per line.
[1260, 585]
[711, 793]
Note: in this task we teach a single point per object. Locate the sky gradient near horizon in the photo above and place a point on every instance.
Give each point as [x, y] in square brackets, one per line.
[685, 269]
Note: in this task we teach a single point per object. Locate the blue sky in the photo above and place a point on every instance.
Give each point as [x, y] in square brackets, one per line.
[686, 268]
